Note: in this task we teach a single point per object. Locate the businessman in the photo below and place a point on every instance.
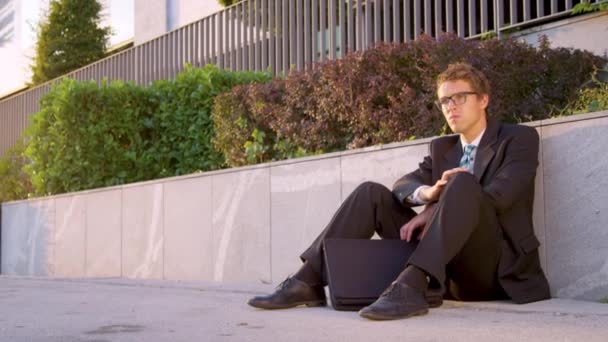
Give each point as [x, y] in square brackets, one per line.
[474, 238]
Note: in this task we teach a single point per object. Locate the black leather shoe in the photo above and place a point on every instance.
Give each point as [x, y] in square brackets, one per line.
[434, 298]
[397, 301]
[290, 293]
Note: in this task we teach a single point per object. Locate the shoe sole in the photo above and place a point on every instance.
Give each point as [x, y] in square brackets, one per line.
[293, 305]
[377, 317]
[434, 302]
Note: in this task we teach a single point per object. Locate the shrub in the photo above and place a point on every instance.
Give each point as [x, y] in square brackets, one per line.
[592, 98]
[386, 93]
[15, 183]
[182, 129]
[246, 133]
[88, 136]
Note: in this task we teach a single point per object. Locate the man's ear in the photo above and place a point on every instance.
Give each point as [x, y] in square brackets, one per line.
[485, 100]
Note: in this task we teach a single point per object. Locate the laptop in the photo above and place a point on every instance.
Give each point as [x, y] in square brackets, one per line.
[359, 270]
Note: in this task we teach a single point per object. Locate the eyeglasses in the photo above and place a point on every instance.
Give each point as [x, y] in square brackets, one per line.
[458, 99]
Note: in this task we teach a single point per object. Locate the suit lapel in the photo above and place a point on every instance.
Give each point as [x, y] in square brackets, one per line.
[453, 155]
[486, 149]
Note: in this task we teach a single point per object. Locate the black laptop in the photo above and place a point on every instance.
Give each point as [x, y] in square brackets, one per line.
[359, 270]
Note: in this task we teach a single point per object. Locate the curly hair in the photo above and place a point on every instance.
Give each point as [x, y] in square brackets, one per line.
[465, 72]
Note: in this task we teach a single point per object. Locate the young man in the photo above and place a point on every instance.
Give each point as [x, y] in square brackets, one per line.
[475, 239]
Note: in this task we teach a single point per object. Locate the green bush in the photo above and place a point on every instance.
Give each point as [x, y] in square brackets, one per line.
[589, 100]
[15, 183]
[88, 136]
[182, 128]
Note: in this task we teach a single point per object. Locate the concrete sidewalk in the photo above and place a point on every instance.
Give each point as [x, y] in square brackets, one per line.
[33, 309]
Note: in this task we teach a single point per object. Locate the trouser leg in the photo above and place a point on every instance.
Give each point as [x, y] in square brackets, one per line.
[370, 208]
[462, 244]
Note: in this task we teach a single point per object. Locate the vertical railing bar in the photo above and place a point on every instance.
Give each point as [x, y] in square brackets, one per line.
[499, 11]
[299, 37]
[439, 16]
[146, 62]
[292, 34]
[238, 44]
[341, 28]
[396, 22]
[251, 23]
[407, 20]
[213, 47]
[180, 50]
[264, 31]
[513, 13]
[350, 28]
[315, 30]
[332, 29]
[285, 14]
[220, 40]
[307, 34]
[258, 29]
[484, 16]
[386, 7]
[233, 46]
[472, 18]
[377, 23]
[360, 26]
[428, 18]
[272, 34]
[449, 17]
[322, 30]
[279, 37]
[461, 23]
[244, 41]
[527, 14]
[368, 25]
[417, 18]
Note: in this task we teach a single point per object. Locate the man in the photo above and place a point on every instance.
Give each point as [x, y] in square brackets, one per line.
[476, 239]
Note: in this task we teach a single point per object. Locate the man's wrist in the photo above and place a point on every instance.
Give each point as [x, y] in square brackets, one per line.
[422, 195]
[416, 196]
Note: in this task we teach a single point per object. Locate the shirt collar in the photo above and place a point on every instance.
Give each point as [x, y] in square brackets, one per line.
[475, 141]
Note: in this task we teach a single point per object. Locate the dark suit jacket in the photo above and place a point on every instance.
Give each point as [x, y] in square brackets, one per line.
[505, 166]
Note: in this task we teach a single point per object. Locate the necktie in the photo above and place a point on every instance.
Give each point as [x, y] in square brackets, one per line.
[465, 161]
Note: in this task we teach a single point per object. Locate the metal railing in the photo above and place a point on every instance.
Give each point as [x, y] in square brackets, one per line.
[280, 35]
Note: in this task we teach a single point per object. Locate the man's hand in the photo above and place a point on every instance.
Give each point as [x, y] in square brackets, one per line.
[431, 194]
[407, 231]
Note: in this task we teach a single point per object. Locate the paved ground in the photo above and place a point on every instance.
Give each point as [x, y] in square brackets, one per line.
[130, 310]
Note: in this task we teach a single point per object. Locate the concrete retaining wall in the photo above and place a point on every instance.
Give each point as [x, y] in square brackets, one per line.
[250, 224]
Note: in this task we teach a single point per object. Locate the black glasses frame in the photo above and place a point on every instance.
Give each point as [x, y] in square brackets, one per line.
[445, 101]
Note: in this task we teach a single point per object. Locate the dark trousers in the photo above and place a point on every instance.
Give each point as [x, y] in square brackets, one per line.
[461, 248]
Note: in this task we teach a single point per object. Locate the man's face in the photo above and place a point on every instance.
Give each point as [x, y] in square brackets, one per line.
[465, 112]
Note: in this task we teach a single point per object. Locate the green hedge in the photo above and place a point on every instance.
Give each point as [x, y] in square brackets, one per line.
[87, 136]
[590, 99]
[15, 183]
[181, 129]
